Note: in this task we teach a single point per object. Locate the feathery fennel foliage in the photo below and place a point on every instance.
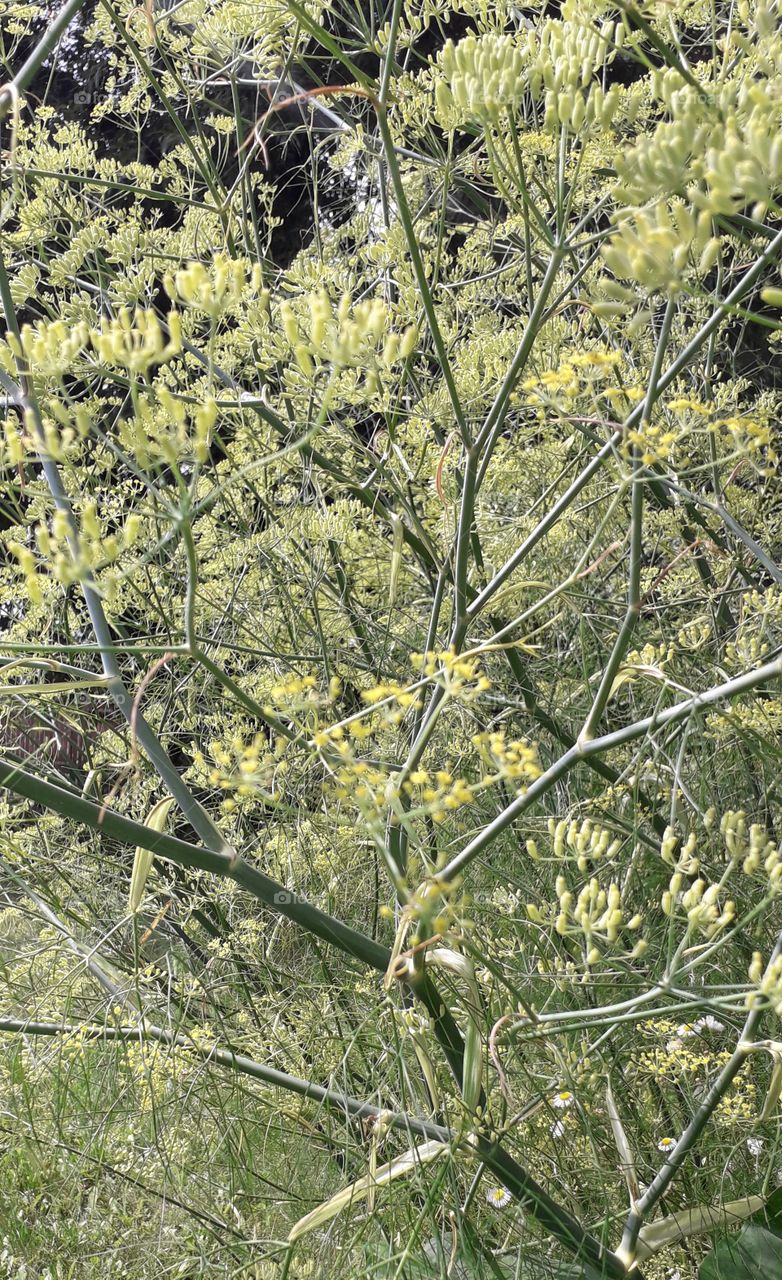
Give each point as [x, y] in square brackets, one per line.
[421, 550]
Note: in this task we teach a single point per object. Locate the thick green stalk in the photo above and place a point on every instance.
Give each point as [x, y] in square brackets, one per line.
[224, 863]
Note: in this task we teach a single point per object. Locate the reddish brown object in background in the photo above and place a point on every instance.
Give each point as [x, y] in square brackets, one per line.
[50, 738]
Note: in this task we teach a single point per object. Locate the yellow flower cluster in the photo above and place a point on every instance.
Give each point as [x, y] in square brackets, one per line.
[747, 434]
[750, 435]
[244, 769]
[688, 1051]
[739, 1105]
[460, 674]
[391, 690]
[155, 1068]
[301, 696]
[513, 761]
[434, 792]
[578, 374]
[682, 858]
[362, 782]
[653, 442]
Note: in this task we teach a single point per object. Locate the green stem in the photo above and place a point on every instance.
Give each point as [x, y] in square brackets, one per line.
[39, 54]
[598, 746]
[769, 254]
[226, 862]
[420, 272]
[659, 1185]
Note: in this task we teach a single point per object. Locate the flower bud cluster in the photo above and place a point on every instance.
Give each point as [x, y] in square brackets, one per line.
[695, 635]
[746, 651]
[680, 856]
[356, 335]
[169, 429]
[761, 617]
[597, 914]
[700, 902]
[136, 342]
[569, 107]
[767, 983]
[588, 839]
[482, 78]
[654, 247]
[54, 439]
[721, 148]
[56, 549]
[743, 165]
[733, 828]
[49, 347]
[563, 61]
[752, 847]
[28, 567]
[662, 160]
[215, 289]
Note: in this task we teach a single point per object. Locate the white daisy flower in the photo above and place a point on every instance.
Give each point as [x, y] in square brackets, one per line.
[709, 1023]
[558, 1129]
[563, 1100]
[666, 1144]
[498, 1197]
[754, 1146]
[672, 1045]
